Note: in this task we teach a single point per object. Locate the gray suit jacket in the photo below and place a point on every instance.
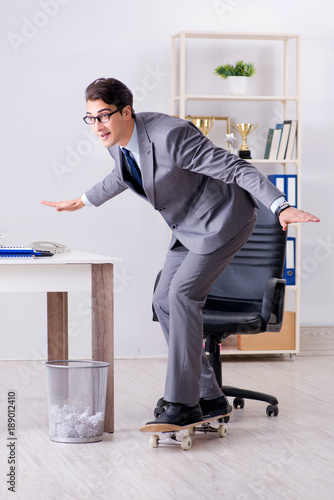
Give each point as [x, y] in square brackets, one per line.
[204, 193]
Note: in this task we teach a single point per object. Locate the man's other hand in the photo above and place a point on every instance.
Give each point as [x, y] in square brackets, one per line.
[67, 206]
[292, 215]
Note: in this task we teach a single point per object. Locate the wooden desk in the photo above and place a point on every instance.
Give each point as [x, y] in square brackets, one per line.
[58, 275]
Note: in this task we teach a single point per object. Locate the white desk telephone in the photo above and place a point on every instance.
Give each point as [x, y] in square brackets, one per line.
[49, 246]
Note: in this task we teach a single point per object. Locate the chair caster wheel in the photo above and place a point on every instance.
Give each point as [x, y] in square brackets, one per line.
[272, 410]
[238, 402]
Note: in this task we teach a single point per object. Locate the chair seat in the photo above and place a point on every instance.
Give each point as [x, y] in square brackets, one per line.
[224, 323]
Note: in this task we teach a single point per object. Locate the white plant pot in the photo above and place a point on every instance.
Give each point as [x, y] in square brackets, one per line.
[237, 84]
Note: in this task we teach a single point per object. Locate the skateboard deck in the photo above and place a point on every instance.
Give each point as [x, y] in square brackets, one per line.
[171, 431]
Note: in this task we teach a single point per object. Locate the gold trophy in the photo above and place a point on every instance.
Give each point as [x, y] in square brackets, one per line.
[204, 123]
[244, 130]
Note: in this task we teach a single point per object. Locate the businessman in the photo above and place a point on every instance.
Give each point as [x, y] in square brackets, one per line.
[207, 196]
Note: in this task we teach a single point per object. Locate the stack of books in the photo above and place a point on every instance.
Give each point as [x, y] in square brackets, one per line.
[281, 141]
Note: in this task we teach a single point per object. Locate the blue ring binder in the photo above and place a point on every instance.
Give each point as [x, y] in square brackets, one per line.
[8, 252]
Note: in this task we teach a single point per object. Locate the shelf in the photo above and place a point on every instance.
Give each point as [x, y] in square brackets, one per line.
[262, 160]
[180, 100]
[236, 36]
[200, 97]
[226, 351]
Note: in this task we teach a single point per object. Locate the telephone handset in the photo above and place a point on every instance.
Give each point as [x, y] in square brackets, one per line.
[49, 246]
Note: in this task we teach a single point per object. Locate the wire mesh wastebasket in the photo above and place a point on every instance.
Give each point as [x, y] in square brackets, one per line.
[76, 400]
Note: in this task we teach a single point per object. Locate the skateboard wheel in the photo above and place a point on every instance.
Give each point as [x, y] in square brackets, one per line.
[186, 443]
[154, 441]
[222, 431]
[191, 431]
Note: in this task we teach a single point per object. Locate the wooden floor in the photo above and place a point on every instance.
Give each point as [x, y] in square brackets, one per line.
[290, 456]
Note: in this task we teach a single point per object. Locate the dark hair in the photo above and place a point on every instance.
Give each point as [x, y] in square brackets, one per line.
[111, 91]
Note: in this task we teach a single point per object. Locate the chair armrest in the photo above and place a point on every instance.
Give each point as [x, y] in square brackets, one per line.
[273, 304]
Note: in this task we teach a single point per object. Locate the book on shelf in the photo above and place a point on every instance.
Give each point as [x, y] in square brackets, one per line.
[281, 140]
[279, 126]
[292, 140]
[275, 144]
[268, 144]
[284, 140]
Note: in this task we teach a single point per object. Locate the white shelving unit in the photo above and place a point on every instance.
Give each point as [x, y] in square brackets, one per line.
[180, 98]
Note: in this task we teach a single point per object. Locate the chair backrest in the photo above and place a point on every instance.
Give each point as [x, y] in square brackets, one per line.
[260, 259]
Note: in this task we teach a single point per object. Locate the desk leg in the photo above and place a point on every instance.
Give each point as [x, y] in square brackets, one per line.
[57, 307]
[103, 330]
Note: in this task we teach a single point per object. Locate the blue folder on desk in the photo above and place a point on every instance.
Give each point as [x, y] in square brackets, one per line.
[8, 252]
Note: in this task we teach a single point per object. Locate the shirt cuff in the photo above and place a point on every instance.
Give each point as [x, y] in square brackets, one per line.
[275, 204]
[86, 201]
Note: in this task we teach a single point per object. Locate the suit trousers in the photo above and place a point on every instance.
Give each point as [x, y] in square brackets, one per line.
[178, 300]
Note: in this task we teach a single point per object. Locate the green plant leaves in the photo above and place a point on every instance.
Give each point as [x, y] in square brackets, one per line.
[240, 68]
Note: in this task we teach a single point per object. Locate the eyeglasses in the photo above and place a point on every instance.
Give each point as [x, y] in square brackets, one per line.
[104, 118]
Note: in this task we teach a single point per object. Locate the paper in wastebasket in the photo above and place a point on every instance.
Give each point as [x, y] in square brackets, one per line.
[75, 421]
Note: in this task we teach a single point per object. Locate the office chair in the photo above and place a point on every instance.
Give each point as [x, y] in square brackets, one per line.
[248, 298]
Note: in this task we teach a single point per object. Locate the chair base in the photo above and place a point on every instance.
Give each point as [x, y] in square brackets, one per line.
[241, 394]
[212, 346]
[244, 393]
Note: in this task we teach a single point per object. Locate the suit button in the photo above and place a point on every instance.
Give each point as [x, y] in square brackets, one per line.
[174, 226]
[161, 209]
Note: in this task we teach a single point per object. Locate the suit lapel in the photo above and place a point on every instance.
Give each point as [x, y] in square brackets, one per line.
[146, 159]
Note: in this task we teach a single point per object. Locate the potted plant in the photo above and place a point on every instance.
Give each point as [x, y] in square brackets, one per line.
[236, 75]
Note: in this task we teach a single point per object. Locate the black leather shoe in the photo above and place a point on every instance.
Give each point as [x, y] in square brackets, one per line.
[209, 407]
[214, 407]
[178, 414]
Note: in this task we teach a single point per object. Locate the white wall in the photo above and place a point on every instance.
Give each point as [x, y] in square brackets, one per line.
[50, 51]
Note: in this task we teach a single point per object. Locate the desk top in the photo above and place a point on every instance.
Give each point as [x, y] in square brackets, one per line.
[73, 257]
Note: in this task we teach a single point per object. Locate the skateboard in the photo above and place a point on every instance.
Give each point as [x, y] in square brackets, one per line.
[171, 431]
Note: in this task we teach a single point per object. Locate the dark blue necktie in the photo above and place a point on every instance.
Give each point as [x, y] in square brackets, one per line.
[133, 167]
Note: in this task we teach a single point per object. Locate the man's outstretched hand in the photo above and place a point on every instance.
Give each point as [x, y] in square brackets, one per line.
[68, 206]
[292, 215]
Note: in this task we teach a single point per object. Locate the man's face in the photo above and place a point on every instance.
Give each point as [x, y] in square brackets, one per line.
[117, 130]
